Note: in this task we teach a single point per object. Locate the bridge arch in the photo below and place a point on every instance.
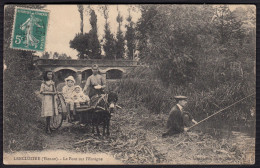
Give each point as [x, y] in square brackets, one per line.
[86, 73]
[85, 69]
[114, 73]
[63, 73]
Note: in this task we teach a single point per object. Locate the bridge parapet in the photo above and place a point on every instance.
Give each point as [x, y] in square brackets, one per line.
[88, 63]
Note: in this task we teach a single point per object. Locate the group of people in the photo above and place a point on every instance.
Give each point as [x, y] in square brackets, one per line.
[73, 94]
[178, 121]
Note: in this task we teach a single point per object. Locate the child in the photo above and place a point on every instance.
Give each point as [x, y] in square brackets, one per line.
[67, 91]
[49, 105]
[78, 96]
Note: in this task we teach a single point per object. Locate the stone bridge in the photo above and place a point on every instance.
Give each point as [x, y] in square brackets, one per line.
[81, 69]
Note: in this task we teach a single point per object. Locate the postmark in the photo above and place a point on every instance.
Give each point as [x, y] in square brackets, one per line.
[29, 29]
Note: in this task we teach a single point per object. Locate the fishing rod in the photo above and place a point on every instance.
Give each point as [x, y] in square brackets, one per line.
[220, 111]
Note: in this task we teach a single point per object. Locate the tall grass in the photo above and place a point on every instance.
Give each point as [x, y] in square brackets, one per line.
[203, 99]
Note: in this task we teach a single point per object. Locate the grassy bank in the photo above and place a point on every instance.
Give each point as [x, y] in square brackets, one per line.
[23, 126]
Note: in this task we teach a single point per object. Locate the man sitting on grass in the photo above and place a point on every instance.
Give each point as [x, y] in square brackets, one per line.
[178, 120]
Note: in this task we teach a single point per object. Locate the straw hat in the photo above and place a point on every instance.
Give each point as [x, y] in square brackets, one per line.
[70, 78]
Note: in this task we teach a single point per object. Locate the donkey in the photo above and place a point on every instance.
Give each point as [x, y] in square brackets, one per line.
[100, 113]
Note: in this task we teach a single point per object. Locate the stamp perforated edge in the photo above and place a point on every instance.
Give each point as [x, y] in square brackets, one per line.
[40, 10]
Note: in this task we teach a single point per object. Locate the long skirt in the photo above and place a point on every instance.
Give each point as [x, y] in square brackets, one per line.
[49, 106]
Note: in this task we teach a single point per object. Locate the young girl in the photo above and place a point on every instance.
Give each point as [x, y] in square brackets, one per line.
[49, 105]
[67, 91]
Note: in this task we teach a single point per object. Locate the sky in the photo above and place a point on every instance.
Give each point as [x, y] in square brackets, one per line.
[64, 24]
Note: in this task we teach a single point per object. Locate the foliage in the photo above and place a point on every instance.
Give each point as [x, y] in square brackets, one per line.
[81, 44]
[172, 38]
[87, 44]
[109, 45]
[130, 37]
[120, 38]
[81, 11]
[110, 42]
[94, 45]
[45, 55]
[60, 56]
[228, 27]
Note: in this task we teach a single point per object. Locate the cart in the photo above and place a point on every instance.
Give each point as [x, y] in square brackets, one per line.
[64, 112]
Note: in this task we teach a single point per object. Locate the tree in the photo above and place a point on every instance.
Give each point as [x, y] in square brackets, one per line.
[81, 10]
[94, 45]
[81, 44]
[109, 40]
[64, 56]
[228, 27]
[120, 38]
[87, 44]
[168, 39]
[46, 55]
[55, 55]
[130, 36]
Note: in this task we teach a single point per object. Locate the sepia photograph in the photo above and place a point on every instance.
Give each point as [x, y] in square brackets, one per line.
[132, 84]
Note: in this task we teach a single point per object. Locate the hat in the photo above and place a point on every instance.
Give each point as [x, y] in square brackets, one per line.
[77, 86]
[95, 67]
[70, 78]
[177, 98]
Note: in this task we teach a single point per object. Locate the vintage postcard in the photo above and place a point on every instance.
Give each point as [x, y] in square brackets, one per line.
[129, 84]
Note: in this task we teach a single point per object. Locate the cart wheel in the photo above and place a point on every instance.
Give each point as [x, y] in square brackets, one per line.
[56, 121]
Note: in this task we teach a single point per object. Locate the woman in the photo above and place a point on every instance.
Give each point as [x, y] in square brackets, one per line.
[49, 105]
[95, 83]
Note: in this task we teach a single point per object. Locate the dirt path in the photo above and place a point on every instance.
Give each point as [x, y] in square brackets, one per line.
[61, 138]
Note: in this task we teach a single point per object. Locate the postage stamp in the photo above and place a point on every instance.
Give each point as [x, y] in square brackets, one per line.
[29, 29]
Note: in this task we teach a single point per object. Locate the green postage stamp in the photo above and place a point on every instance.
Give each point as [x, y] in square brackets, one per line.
[29, 29]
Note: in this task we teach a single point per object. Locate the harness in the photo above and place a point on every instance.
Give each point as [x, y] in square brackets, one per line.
[103, 97]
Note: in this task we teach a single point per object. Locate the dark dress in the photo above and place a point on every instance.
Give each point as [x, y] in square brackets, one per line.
[93, 81]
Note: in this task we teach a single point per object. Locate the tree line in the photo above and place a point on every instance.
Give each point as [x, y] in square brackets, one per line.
[184, 43]
[119, 47]
[55, 55]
